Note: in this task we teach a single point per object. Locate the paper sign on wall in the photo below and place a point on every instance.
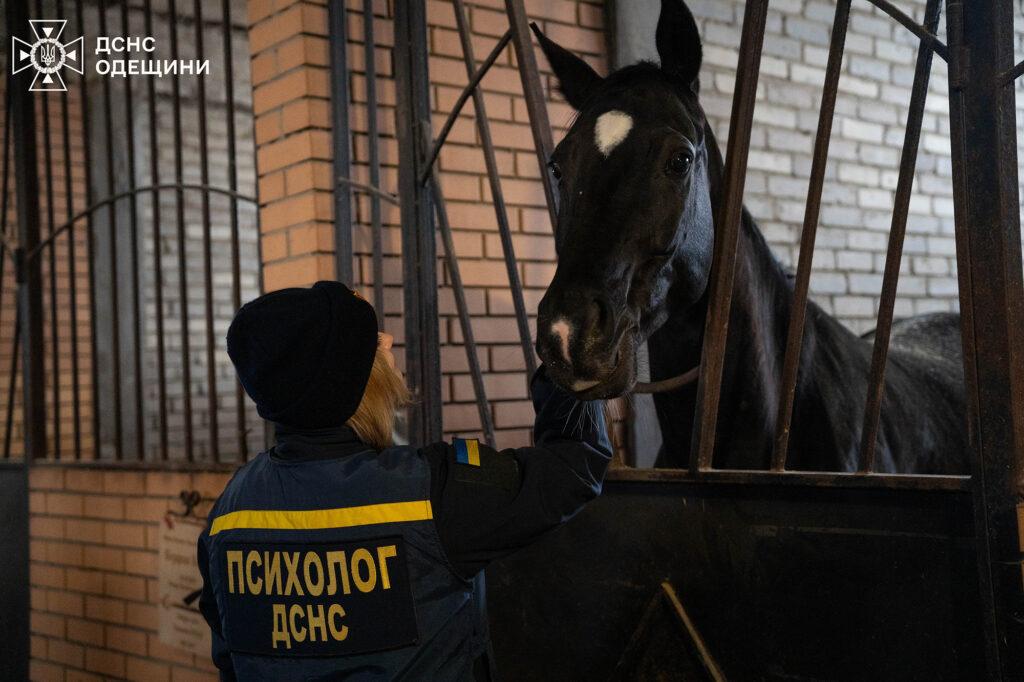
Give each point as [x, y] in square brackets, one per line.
[181, 624]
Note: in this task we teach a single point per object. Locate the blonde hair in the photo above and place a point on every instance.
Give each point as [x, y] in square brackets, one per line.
[385, 394]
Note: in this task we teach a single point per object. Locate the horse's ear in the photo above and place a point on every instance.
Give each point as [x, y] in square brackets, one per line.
[678, 42]
[576, 80]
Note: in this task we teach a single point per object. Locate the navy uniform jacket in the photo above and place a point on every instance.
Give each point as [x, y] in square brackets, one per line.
[324, 559]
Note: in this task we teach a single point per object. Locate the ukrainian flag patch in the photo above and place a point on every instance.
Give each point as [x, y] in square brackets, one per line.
[467, 451]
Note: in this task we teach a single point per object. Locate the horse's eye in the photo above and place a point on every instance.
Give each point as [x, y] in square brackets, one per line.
[680, 163]
[555, 170]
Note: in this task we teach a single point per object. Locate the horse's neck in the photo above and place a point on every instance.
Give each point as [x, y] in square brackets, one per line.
[758, 320]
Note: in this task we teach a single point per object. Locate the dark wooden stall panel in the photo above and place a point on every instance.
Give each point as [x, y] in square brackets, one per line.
[793, 583]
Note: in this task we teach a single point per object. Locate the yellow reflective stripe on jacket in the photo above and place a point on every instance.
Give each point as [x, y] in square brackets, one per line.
[318, 519]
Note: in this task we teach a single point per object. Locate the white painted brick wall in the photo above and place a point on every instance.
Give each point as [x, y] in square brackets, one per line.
[867, 138]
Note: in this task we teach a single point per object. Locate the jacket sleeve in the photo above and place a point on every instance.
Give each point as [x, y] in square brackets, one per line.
[208, 606]
[484, 512]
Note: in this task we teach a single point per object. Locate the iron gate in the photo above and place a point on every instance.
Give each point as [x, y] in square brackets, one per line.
[124, 267]
[981, 76]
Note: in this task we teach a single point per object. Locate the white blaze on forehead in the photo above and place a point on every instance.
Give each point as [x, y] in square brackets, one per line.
[611, 129]
[562, 330]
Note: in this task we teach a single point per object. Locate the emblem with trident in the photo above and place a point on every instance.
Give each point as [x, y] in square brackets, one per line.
[47, 55]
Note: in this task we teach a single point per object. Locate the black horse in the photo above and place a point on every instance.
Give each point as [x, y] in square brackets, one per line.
[640, 176]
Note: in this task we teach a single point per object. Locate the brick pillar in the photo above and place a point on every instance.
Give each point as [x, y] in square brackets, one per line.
[291, 107]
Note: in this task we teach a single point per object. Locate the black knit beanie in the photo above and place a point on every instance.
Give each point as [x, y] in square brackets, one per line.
[304, 355]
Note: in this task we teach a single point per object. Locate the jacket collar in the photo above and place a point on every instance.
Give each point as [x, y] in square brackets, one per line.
[300, 445]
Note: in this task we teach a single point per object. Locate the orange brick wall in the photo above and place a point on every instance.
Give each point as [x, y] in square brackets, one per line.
[94, 573]
[290, 68]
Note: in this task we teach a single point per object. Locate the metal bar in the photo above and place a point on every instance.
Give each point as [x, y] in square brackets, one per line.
[986, 205]
[373, 135]
[927, 36]
[158, 268]
[726, 234]
[536, 106]
[204, 174]
[370, 189]
[11, 386]
[464, 96]
[625, 669]
[186, 359]
[133, 219]
[236, 267]
[52, 268]
[113, 198]
[419, 259]
[1013, 74]
[894, 254]
[29, 278]
[5, 199]
[468, 340]
[820, 479]
[812, 211]
[90, 247]
[76, 410]
[340, 133]
[115, 349]
[4, 254]
[703, 652]
[483, 127]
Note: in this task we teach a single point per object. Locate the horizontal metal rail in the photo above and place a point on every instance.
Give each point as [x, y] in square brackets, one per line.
[826, 479]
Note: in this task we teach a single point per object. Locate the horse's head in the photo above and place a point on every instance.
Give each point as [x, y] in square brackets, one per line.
[634, 231]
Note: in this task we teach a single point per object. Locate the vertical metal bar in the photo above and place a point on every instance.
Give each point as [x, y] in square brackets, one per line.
[204, 174]
[5, 188]
[419, 259]
[452, 262]
[4, 255]
[76, 410]
[794, 340]
[158, 268]
[133, 219]
[186, 359]
[90, 248]
[115, 350]
[52, 267]
[9, 417]
[340, 134]
[493, 176]
[986, 204]
[236, 267]
[536, 106]
[370, 57]
[726, 234]
[29, 278]
[897, 231]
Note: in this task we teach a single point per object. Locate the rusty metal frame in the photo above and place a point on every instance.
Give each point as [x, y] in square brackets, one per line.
[987, 211]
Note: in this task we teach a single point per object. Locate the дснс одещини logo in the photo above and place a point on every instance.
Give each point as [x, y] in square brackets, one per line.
[47, 55]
